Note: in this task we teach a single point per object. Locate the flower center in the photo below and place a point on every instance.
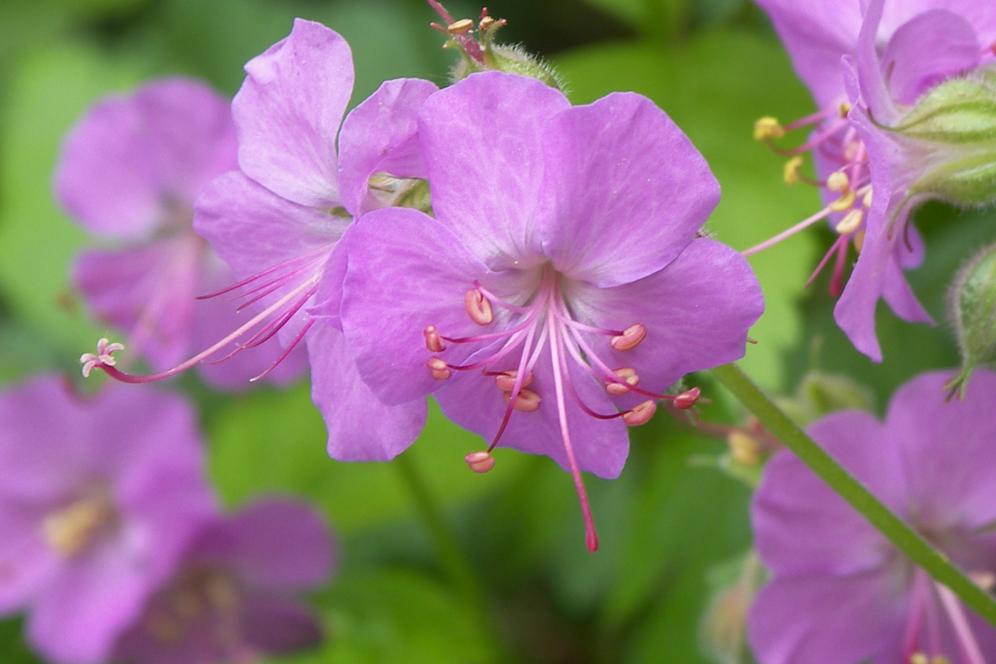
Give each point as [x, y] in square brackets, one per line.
[202, 599]
[539, 319]
[932, 605]
[71, 530]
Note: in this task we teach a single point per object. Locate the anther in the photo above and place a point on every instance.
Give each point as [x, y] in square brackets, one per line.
[629, 377]
[845, 202]
[439, 369]
[919, 658]
[768, 127]
[792, 168]
[478, 307]
[687, 399]
[460, 27]
[480, 462]
[485, 23]
[844, 109]
[859, 241]
[630, 338]
[640, 414]
[506, 380]
[433, 340]
[838, 181]
[744, 449]
[851, 221]
[866, 200]
[526, 401]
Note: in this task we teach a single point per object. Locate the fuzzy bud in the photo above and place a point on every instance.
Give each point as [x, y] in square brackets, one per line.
[972, 309]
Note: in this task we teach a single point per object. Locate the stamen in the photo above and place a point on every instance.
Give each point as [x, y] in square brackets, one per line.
[838, 181]
[283, 356]
[526, 401]
[967, 643]
[851, 221]
[767, 128]
[433, 340]
[629, 377]
[640, 414]
[843, 109]
[506, 380]
[866, 200]
[439, 369]
[480, 462]
[478, 307]
[845, 202]
[784, 235]
[460, 27]
[687, 399]
[791, 172]
[859, 241]
[630, 338]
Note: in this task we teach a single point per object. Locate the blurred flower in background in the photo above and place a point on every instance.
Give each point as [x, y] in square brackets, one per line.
[129, 172]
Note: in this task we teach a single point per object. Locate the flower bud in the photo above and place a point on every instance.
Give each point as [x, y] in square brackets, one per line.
[972, 309]
[954, 127]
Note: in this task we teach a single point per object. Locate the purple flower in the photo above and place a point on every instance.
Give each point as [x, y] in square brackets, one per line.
[921, 42]
[928, 48]
[129, 172]
[563, 285]
[98, 497]
[840, 591]
[277, 221]
[234, 596]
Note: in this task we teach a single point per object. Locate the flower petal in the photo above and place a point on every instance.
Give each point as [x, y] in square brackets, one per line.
[801, 526]
[814, 619]
[697, 311]
[274, 624]
[274, 543]
[927, 49]
[288, 112]
[27, 564]
[483, 143]
[630, 190]
[136, 163]
[360, 426]
[381, 136]
[406, 271]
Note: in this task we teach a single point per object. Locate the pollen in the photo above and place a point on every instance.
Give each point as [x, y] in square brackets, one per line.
[71, 530]
[640, 414]
[851, 221]
[792, 168]
[630, 338]
[480, 462]
[439, 369]
[767, 128]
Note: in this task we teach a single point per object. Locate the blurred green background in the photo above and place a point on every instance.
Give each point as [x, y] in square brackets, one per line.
[670, 526]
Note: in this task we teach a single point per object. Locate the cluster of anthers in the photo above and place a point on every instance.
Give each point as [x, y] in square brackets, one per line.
[545, 321]
[473, 39]
[834, 141]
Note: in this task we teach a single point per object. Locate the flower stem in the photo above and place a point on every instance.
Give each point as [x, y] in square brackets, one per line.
[448, 549]
[902, 536]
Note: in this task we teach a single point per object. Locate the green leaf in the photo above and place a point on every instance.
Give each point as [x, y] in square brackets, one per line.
[702, 85]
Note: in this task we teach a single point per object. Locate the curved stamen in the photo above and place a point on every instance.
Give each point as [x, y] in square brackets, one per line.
[784, 235]
[967, 643]
[284, 355]
[268, 271]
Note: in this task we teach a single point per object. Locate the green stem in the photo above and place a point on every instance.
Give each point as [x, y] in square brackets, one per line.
[907, 540]
[447, 547]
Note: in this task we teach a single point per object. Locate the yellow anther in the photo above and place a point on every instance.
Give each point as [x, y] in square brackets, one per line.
[919, 658]
[838, 181]
[71, 530]
[845, 202]
[866, 200]
[844, 109]
[460, 27]
[791, 171]
[859, 241]
[744, 449]
[486, 23]
[768, 127]
[851, 221]
[939, 659]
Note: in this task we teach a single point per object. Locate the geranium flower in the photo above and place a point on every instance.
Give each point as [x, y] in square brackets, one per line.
[278, 220]
[129, 172]
[234, 597]
[563, 285]
[920, 42]
[98, 497]
[840, 591]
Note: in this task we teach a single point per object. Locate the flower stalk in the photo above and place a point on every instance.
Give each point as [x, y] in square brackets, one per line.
[897, 531]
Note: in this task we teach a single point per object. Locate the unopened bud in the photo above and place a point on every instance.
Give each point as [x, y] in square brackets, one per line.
[972, 307]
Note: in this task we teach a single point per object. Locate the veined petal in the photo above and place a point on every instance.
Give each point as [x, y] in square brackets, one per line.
[360, 426]
[288, 113]
[697, 312]
[630, 190]
[406, 271]
[135, 163]
[381, 136]
[483, 142]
